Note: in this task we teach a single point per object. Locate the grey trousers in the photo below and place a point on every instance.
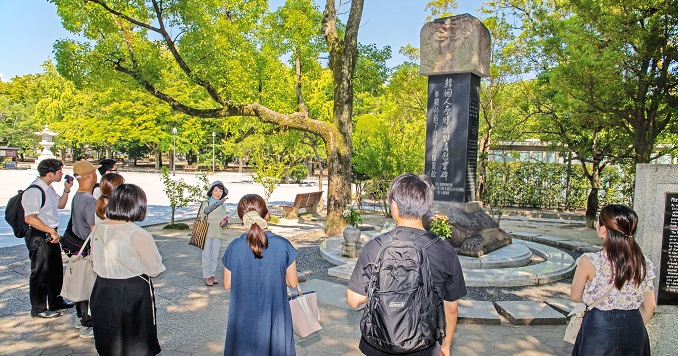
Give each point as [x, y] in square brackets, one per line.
[210, 257]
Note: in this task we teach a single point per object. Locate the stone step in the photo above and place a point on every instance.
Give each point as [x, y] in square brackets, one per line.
[478, 312]
[556, 242]
[558, 265]
[529, 313]
[562, 305]
[513, 255]
[470, 311]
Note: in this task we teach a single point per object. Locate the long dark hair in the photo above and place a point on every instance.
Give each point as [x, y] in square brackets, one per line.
[628, 262]
[256, 237]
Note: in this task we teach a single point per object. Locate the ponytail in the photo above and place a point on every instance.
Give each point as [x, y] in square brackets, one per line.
[252, 211]
[257, 240]
[101, 207]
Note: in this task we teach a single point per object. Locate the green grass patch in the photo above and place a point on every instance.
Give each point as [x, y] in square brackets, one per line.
[177, 226]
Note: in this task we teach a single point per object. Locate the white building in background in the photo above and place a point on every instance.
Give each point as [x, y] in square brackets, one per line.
[534, 150]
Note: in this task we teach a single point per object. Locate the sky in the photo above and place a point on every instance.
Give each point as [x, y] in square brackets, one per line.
[29, 28]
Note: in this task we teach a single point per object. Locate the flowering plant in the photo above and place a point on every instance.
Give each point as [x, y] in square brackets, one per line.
[440, 226]
[352, 217]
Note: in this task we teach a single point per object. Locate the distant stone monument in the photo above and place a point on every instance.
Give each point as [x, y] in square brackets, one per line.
[455, 54]
[46, 144]
[656, 203]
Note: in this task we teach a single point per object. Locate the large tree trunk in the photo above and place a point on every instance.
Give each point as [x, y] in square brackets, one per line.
[481, 172]
[158, 159]
[338, 190]
[592, 201]
[342, 62]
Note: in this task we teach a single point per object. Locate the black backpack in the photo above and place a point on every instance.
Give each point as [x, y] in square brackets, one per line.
[404, 310]
[14, 212]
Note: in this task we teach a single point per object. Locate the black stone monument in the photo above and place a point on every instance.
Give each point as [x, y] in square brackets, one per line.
[452, 135]
[668, 270]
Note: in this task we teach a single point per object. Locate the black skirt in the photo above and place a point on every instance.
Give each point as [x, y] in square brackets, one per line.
[612, 332]
[123, 314]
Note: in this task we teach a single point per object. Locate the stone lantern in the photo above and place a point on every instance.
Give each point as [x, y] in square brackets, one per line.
[46, 144]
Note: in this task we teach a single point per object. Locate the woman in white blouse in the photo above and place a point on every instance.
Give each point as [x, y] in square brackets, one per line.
[125, 259]
[621, 277]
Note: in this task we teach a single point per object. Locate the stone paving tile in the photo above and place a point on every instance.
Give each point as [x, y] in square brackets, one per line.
[529, 313]
[474, 311]
[562, 305]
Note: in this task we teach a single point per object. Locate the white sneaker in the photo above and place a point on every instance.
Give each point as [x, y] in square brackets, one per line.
[78, 323]
[86, 332]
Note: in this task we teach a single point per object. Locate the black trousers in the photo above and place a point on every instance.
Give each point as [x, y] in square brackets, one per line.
[47, 274]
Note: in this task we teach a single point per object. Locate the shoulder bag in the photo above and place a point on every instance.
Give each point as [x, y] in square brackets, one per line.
[199, 232]
[305, 313]
[79, 276]
[577, 316]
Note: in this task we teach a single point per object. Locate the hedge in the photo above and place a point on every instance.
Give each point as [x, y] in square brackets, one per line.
[543, 185]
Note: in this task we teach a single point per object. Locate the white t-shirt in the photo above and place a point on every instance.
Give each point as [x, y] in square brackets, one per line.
[32, 198]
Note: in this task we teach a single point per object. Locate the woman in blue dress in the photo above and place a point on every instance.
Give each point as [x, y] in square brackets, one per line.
[258, 266]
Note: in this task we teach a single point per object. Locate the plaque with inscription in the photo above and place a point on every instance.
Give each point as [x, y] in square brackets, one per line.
[452, 135]
[668, 270]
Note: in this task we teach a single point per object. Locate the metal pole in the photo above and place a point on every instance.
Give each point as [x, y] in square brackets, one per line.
[174, 152]
[213, 134]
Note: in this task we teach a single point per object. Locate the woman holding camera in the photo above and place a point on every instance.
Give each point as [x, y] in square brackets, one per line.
[622, 276]
[216, 213]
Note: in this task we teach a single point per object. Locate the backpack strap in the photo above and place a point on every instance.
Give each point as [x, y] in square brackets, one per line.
[41, 191]
[420, 240]
[385, 238]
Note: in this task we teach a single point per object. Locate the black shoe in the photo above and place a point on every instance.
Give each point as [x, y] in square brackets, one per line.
[47, 314]
[63, 305]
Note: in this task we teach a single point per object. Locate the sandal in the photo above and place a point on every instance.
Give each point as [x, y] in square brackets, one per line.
[208, 282]
[214, 280]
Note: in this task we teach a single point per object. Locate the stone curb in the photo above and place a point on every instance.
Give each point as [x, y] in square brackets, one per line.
[555, 242]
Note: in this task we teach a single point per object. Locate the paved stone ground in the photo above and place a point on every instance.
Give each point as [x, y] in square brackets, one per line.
[192, 317]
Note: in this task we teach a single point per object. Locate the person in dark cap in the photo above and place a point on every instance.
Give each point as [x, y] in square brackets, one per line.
[106, 165]
[216, 213]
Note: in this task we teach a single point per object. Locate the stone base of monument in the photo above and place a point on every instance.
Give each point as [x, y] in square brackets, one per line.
[351, 249]
[474, 232]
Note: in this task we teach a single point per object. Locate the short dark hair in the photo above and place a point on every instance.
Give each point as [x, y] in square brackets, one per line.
[49, 165]
[127, 202]
[413, 194]
[106, 164]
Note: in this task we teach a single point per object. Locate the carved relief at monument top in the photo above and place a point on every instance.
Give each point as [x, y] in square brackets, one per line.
[457, 44]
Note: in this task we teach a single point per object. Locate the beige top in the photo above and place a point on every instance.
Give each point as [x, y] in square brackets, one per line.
[122, 250]
[214, 219]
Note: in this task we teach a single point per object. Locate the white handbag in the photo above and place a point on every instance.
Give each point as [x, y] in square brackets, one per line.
[79, 276]
[577, 317]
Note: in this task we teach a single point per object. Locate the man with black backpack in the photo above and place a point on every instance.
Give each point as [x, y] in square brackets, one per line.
[408, 278]
[42, 239]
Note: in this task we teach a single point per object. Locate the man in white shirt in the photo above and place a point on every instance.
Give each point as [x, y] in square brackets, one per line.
[42, 240]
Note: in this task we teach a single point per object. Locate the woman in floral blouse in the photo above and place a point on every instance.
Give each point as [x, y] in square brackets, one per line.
[616, 326]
